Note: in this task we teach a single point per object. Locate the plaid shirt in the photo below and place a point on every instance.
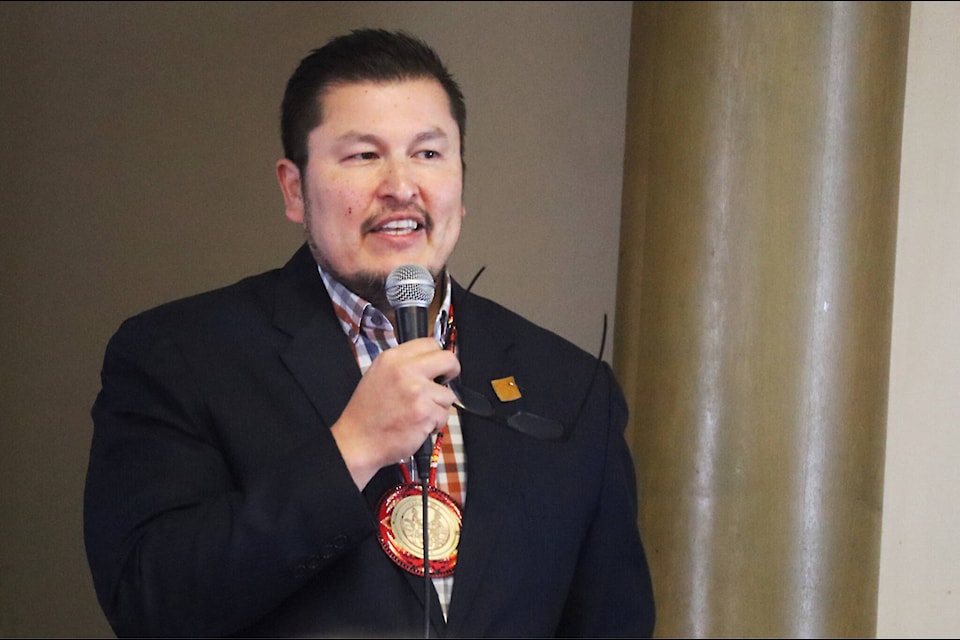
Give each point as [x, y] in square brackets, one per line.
[370, 333]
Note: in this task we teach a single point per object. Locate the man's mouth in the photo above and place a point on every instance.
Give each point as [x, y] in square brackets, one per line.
[398, 227]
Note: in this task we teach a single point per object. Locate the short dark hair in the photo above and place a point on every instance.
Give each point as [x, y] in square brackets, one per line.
[363, 55]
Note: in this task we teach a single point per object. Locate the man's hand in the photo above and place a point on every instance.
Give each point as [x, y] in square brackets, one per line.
[396, 406]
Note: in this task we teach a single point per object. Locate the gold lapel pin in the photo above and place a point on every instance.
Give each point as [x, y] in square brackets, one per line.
[506, 389]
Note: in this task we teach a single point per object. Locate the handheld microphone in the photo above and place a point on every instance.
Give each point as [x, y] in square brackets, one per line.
[409, 290]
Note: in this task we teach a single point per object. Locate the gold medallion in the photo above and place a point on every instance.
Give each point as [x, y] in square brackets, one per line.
[401, 529]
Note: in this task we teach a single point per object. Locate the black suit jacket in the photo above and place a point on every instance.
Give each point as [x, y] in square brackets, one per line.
[217, 502]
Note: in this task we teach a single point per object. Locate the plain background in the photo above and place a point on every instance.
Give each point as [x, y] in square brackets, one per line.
[137, 149]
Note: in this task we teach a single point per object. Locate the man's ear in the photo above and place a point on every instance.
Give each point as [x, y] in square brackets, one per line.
[288, 175]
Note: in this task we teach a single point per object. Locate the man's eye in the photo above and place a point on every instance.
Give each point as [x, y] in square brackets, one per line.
[428, 154]
[366, 155]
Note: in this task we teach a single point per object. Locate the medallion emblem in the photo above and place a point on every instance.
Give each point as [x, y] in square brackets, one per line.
[400, 514]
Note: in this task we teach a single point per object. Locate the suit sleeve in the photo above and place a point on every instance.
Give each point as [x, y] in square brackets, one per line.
[180, 542]
[612, 594]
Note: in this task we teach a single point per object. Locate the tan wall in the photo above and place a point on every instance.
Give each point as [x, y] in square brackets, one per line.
[137, 146]
[137, 143]
[920, 556]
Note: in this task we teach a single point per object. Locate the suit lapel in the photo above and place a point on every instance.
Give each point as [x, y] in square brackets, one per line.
[303, 310]
[491, 466]
[320, 359]
[318, 356]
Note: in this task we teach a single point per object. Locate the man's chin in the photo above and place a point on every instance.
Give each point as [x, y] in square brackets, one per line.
[368, 285]
[371, 286]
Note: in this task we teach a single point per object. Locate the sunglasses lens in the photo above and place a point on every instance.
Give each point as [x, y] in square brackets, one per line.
[471, 401]
[536, 426]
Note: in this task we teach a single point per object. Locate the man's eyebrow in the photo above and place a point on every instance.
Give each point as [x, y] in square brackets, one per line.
[434, 133]
[357, 136]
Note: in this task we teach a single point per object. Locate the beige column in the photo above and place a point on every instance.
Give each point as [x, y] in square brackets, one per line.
[754, 307]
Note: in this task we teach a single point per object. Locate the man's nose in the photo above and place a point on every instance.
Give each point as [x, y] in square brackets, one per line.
[398, 181]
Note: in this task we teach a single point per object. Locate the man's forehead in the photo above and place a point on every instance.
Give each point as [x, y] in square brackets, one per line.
[357, 110]
[430, 88]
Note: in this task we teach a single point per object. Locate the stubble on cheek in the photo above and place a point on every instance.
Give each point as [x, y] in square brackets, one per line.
[368, 285]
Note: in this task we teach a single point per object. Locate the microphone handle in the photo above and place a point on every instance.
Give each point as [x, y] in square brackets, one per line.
[423, 460]
[412, 324]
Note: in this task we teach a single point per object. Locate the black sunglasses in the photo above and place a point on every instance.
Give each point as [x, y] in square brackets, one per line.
[527, 423]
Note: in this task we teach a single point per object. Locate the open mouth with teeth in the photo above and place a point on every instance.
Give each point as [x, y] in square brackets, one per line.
[399, 227]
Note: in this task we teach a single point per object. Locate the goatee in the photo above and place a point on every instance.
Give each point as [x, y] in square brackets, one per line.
[372, 287]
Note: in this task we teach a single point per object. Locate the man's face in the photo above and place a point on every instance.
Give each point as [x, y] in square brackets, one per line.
[383, 185]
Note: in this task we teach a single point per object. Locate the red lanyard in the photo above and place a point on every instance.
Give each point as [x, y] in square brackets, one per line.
[434, 460]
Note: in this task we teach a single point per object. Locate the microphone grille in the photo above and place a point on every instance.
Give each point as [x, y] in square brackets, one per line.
[409, 285]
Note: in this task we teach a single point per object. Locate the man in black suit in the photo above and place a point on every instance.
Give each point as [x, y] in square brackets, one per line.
[251, 471]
